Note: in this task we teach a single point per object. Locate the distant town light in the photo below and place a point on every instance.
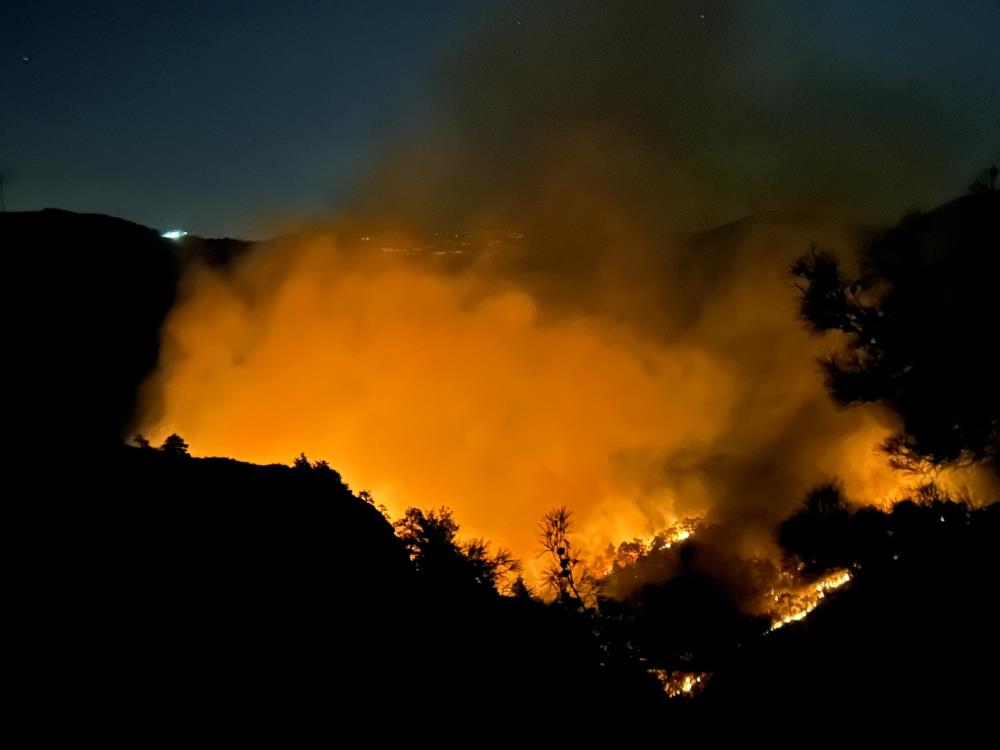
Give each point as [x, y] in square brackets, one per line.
[174, 234]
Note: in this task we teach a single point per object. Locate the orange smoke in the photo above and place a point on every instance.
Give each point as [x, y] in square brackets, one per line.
[472, 388]
[431, 390]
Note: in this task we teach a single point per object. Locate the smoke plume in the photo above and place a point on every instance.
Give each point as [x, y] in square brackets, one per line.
[513, 313]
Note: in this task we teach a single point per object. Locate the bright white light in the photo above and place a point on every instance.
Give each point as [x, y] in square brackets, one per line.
[174, 234]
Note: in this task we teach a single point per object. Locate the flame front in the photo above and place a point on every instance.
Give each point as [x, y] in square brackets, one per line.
[678, 684]
[796, 602]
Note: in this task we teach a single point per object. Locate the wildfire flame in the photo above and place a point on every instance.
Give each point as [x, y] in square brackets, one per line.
[627, 553]
[795, 604]
[681, 684]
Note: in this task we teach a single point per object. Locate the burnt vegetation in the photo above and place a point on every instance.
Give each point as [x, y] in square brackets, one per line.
[147, 578]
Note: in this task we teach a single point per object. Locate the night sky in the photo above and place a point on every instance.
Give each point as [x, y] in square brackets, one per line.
[230, 117]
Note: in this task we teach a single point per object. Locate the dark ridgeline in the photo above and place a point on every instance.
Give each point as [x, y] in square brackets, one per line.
[156, 592]
[88, 295]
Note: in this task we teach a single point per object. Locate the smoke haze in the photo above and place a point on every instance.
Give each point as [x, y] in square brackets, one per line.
[513, 313]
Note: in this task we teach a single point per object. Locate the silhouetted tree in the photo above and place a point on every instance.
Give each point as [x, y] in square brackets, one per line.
[568, 575]
[921, 320]
[320, 470]
[490, 568]
[431, 539]
[521, 590]
[627, 553]
[141, 441]
[367, 496]
[175, 445]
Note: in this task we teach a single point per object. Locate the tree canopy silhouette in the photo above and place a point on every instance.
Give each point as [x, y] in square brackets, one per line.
[321, 470]
[175, 445]
[921, 322]
[431, 539]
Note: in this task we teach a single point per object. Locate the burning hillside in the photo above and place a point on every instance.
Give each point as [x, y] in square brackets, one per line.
[502, 387]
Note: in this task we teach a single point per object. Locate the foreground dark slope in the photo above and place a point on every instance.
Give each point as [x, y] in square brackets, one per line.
[168, 583]
[916, 630]
[165, 588]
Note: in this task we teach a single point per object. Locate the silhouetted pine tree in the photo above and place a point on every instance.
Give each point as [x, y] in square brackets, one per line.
[175, 445]
[921, 323]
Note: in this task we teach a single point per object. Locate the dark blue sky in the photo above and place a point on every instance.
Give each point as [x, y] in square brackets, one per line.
[217, 116]
[227, 117]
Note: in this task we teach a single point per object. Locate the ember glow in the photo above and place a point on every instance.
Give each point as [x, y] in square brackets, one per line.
[681, 684]
[795, 603]
[628, 552]
[679, 532]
